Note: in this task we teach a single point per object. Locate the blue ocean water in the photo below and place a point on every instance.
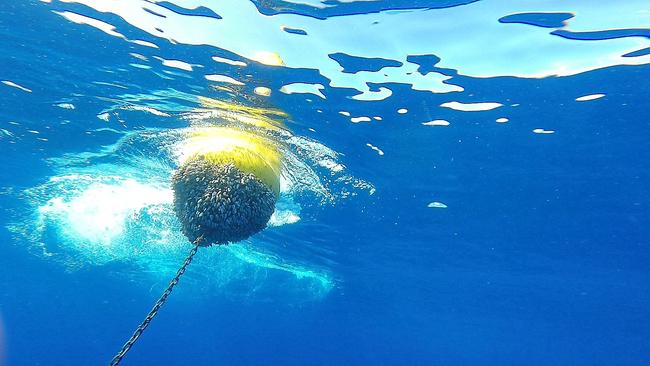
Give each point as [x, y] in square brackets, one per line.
[465, 182]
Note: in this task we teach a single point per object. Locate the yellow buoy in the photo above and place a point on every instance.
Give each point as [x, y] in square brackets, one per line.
[227, 185]
[224, 191]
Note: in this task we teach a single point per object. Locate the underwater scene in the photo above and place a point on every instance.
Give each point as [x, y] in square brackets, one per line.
[324, 182]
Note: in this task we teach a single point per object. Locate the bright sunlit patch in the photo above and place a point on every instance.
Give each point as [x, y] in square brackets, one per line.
[467, 29]
[375, 148]
[99, 213]
[262, 91]
[139, 56]
[286, 212]
[589, 97]
[382, 94]
[436, 122]
[140, 66]
[6, 133]
[331, 164]
[303, 88]
[471, 107]
[228, 61]
[144, 43]
[14, 85]
[143, 108]
[313, 3]
[360, 119]
[223, 79]
[268, 58]
[81, 19]
[65, 105]
[178, 64]
[433, 82]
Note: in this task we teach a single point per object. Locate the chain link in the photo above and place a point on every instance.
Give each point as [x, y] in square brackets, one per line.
[161, 301]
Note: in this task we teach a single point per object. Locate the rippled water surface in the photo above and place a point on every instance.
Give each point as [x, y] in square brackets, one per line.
[463, 182]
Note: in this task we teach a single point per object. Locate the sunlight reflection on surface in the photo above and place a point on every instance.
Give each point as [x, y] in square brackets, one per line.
[395, 35]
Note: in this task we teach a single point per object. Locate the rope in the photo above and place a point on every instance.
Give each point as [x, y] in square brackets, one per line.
[161, 301]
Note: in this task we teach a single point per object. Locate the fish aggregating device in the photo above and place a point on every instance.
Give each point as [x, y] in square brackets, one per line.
[225, 191]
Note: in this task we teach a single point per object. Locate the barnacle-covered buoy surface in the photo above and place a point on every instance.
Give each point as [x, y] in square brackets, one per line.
[220, 202]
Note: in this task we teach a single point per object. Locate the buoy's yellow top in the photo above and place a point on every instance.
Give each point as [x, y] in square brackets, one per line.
[249, 152]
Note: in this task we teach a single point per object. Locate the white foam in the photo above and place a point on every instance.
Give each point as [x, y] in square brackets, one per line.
[286, 212]
[331, 164]
[99, 212]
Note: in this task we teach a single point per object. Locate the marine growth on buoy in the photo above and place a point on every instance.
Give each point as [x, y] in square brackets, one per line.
[226, 188]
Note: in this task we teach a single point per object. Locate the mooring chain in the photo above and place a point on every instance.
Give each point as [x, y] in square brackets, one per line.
[161, 301]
